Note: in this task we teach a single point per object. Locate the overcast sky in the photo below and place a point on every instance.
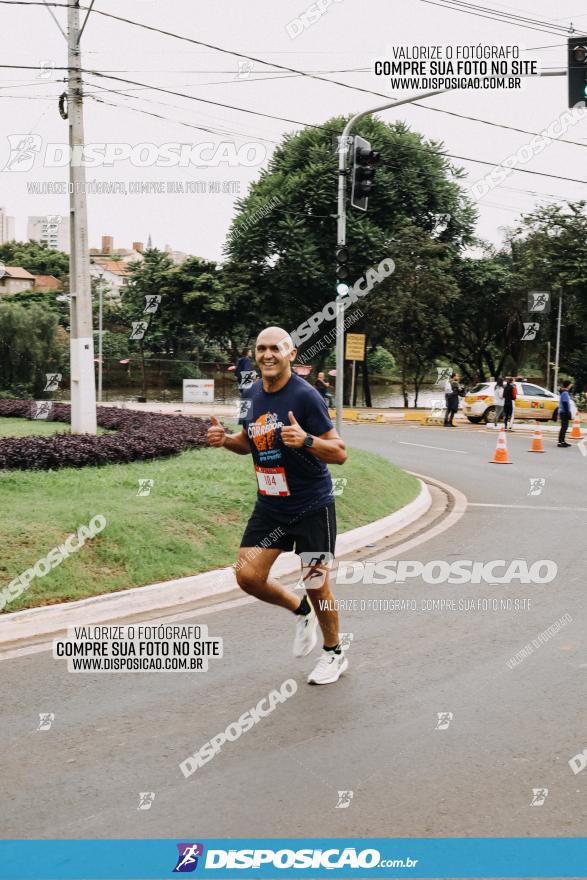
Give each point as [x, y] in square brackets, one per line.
[348, 36]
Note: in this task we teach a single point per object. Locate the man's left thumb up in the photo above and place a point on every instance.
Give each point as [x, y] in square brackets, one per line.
[292, 418]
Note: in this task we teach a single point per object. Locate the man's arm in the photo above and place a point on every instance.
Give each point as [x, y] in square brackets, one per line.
[328, 447]
[217, 436]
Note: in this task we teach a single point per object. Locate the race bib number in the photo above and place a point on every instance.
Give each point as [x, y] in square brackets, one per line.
[272, 481]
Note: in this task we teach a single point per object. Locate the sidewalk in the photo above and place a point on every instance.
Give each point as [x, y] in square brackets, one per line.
[359, 415]
[229, 410]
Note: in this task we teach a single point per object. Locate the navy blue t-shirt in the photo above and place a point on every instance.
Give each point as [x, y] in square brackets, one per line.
[290, 481]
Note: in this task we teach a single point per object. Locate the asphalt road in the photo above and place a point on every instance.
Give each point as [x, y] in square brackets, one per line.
[374, 732]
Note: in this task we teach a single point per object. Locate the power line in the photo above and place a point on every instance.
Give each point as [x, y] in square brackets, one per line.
[219, 132]
[493, 165]
[194, 98]
[272, 116]
[490, 17]
[498, 15]
[126, 93]
[281, 67]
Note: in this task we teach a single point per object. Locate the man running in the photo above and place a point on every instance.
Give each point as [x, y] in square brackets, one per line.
[288, 431]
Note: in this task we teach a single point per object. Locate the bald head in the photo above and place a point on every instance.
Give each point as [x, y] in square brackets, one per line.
[274, 353]
[276, 336]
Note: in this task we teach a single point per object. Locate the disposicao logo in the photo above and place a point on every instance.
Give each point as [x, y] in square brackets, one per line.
[187, 860]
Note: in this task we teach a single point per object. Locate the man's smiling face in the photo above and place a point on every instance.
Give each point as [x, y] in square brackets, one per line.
[274, 353]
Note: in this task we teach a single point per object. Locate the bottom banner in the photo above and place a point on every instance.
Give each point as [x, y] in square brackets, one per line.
[520, 857]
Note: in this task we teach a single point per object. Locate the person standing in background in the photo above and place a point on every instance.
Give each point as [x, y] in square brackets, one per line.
[323, 388]
[509, 396]
[447, 391]
[498, 400]
[564, 413]
[244, 364]
[452, 401]
[244, 376]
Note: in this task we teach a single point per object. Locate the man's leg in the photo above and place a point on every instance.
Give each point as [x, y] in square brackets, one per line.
[564, 419]
[252, 575]
[323, 601]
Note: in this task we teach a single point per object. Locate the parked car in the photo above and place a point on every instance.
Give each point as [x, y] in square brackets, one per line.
[532, 402]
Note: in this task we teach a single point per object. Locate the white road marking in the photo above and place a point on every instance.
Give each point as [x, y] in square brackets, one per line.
[424, 446]
[526, 506]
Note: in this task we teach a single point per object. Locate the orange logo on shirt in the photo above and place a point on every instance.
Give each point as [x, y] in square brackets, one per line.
[263, 431]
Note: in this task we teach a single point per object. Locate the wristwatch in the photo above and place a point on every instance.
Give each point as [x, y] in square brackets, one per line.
[308, 440]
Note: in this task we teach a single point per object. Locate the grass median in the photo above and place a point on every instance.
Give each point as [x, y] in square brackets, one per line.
[191, 521]
[35, 428]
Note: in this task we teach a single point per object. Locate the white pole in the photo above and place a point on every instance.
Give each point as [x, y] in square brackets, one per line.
[558, 340]
[83, 382]
[100, 333]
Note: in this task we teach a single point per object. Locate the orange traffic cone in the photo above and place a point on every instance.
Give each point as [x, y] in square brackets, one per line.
[576, 432]
[501, 451]
[536, 444]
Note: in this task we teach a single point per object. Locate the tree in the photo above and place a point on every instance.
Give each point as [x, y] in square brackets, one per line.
[28, 348]
[35, 257]
[487, 316]
[381, 361]
[281, 243]
[551, 256]
[191, 308]
[411, 312]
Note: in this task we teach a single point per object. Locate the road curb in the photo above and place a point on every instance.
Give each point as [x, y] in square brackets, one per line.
[37, 625]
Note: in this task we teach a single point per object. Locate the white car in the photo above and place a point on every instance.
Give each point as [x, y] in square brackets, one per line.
[532, 402]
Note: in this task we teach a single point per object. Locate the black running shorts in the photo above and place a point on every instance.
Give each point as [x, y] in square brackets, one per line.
[314, 532]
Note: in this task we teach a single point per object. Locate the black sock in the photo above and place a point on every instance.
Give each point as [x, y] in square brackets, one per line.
[304, 607]
[335, 650]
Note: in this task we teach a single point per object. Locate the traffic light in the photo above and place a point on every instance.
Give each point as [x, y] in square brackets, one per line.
[364, 161]
[342, 269]
[577, 70]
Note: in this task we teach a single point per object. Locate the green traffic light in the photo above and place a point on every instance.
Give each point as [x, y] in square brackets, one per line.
[342, 289]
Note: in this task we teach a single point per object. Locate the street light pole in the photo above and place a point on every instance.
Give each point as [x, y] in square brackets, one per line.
[558, 339]
[83, 382]
[100, 332]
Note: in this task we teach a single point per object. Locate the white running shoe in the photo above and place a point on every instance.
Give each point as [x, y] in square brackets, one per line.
[329, 668]
[306, 637]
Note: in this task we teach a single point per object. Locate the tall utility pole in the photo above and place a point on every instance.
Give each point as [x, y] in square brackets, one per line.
[558, 339]
[83, 382]
[100, 333]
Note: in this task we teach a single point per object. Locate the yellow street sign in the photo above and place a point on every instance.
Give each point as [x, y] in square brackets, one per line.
[355, 347]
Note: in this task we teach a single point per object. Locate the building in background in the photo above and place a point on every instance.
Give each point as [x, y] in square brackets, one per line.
[111, 265]
[113, 274]
[178, 257]
[48, 284]
[16, 279]
[6, 227]
[50, 229]
[108, 253]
